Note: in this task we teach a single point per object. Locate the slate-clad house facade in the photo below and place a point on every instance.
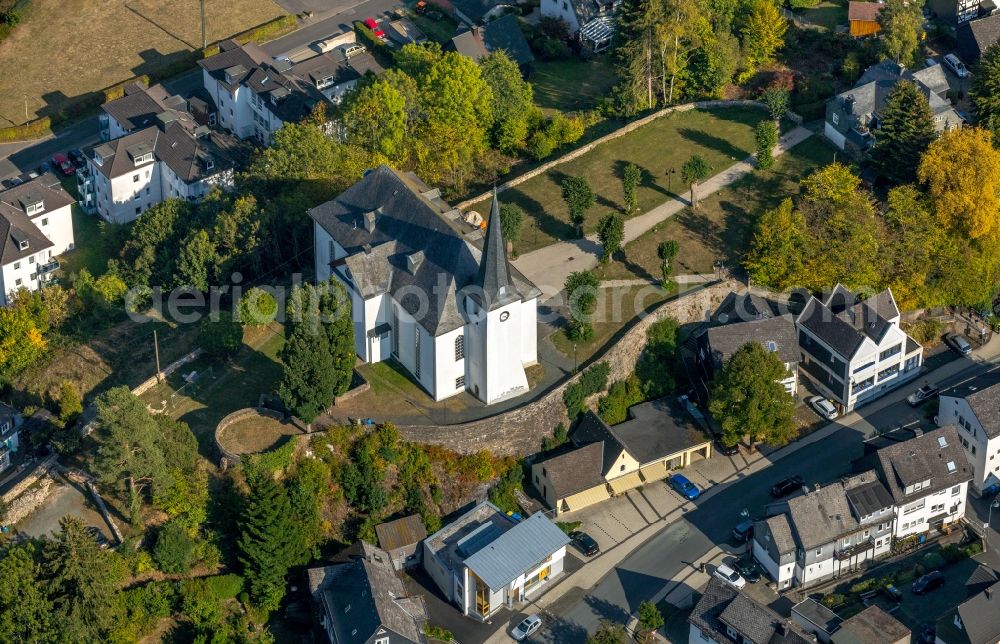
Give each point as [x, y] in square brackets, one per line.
[854, 350]
[725, 615]
[428, 289]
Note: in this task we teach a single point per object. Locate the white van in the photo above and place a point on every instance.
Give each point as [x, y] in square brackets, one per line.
[952, 62]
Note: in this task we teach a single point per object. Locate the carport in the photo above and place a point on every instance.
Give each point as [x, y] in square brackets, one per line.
[624, 483]
[587, 497]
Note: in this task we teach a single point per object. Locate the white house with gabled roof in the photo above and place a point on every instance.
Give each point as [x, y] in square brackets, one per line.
[974, 408]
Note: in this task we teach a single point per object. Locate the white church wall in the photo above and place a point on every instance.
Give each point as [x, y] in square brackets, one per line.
[504, 370]
[529, 332]
[447, 369]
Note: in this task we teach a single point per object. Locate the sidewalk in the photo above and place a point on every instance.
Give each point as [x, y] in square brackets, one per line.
[549, 267]
[678, 590]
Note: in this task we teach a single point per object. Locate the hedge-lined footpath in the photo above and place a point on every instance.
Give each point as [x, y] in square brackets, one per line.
[41, 127]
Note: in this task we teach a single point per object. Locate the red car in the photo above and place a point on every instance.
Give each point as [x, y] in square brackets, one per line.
[61, 161]
[371, 24]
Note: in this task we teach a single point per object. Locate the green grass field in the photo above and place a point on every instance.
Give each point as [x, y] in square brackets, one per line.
[569, 85]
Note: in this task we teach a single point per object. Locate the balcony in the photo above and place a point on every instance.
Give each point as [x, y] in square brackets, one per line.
[45, 269]
[846, 553]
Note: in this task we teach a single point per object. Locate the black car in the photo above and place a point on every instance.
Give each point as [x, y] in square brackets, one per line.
[76, 156]
[784, 487]
[743, 531]
[748, 569]
[928, 582]
[892, 593]
[724, 450]
[585, 543]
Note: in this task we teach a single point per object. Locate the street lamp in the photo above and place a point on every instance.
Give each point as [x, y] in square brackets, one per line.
[989, 519]
[575, 365]
[670, 173]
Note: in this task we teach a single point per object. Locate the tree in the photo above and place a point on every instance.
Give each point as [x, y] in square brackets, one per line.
[986, 90]
[763, 34]
[667, 250]
[195, 262]
[915, 237]
[174, 551]
[776, 99]
[636, 27]
[375, 119]
[267, 541]
[611, 232]
[581, 297]
[70, 406]
[650, 617]
[222, 337]
[766, 136]
[609, 633]
[579, 198]
[901, 24]
[512, 101]
[678, 37]
[694, 171]
[82, 582]
[511, 221]
[308, 385]
[658, 362]
[906, 129]
[21, 341]
[257, 308]
[748, 399]
[25, 609]
[631, 177]
[961, 170]
[713, 65]
[778, 248]
[326, 308]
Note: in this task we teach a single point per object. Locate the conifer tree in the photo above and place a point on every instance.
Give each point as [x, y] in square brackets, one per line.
[905, 130]
[267, 540]
[308, 383]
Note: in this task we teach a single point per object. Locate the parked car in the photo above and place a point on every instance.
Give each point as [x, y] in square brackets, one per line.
[928, 582]
[928, 634]
[63, 164]
[823, 407]
[958, 344]
[743, 531]
[354, 49]
[585, 543]
[730, 576]
[15, 181]
[526, 628]
[748, 569]
[952, 62]
[684, 487]
[920, 395]
[726, 450]
[76, 156]
[784, 487]
[892, 593]
[373, 25]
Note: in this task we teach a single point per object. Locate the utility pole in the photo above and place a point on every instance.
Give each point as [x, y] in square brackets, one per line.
[156, 352]
[204, 43]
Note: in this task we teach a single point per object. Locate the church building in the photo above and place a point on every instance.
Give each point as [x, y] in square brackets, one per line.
[429, 287]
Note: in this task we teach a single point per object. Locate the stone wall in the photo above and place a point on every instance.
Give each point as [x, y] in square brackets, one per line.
[622, 131]
[225, 455]
[520, 431]
[172, 367]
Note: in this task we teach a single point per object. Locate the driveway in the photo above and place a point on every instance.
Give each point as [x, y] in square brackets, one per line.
[64, 500]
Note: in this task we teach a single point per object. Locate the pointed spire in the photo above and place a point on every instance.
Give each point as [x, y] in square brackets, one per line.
[494, 272]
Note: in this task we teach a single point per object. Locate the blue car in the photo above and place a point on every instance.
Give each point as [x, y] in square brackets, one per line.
[684, 487]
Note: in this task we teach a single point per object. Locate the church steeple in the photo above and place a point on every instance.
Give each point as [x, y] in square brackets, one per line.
[494, 271]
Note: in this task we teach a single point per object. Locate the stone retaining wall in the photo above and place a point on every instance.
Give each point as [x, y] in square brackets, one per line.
[520, 431]
[622, 131]
[225, 456]
[41, 470]
[172, 367]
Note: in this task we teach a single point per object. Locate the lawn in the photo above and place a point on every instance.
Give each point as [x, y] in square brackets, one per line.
[721, 136]
[721, 227]
[222, 388]
[95, 243]
[828, 13]
[65, 49]
[255, 434]
[440, 31]
[568, 85]
[616, 307]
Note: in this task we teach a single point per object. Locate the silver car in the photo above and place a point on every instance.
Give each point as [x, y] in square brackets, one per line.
[528, 626]
[823, 407]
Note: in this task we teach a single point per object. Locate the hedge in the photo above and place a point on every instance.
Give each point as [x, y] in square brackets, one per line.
[35, 129]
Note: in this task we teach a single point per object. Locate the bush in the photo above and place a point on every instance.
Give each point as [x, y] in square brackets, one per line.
[863, 586]
[568, 526]
[220, 338]
[832, 600]
[973, 549]
[613, 408]
[257, 308]
[592, 381]
[925, 331]
[35, 129]
[952, 553]
[502, 493]
[175, 548]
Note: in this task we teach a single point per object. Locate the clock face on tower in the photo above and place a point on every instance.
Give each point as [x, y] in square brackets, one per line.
[504, 316]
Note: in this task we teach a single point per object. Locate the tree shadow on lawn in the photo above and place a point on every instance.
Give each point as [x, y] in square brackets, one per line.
[557, 176]
[707, 232]
[647, 179]
[712, 142]
[545, 221]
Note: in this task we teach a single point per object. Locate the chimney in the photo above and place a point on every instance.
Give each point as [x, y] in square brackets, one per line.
[413, 261]
[370, 221]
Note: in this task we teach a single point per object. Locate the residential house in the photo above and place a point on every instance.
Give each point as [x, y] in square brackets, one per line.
[974, 408]
[501, 34]
[335, 73]
[854, 350]
[10, 429]
[174, 158]
[402, 31]
[604, 460]
[36, 226]
[852, 117]
[862, 18]
[137, 109]
[590, 21]
[826, 532]
[957, 12]
[976, 36]
[725, 615]
[401, 539]
[813, 617]
[428, 288]
[473, 12]
[361, 600]
[974, 621]
[928, 477]
[485, 560]
[872, 626]
[776, 334]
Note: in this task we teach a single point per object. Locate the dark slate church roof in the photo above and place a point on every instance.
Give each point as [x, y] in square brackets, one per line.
[401, 238]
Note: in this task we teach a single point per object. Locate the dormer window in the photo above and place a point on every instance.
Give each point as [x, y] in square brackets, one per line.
[23, 244]
[144, 158]
[34, 208]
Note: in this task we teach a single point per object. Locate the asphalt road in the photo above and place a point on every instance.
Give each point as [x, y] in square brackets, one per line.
[672, 553]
